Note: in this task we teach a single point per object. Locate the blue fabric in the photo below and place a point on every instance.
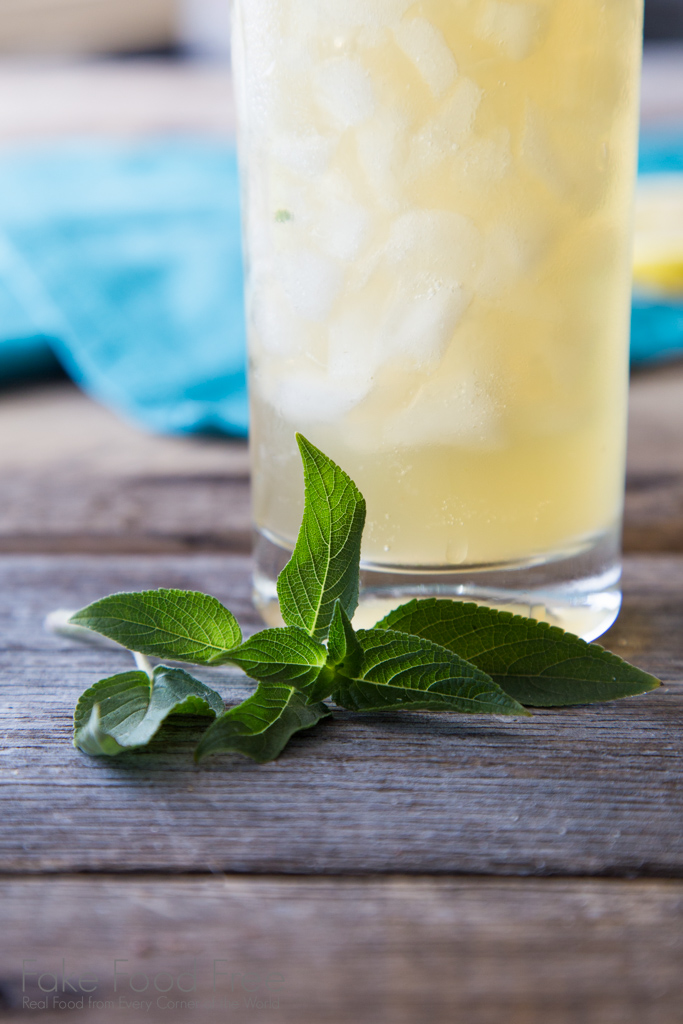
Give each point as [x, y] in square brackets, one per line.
[125, 261]
[657, 325]
[656, 330]
[122, 261]
[660, 150]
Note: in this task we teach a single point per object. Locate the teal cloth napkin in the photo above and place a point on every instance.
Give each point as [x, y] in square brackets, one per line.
[122, 262]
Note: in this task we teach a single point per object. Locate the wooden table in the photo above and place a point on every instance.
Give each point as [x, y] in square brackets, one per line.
[386, 869]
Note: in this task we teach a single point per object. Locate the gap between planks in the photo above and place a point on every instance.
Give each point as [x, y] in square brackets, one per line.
[578, 791]
[375, 951]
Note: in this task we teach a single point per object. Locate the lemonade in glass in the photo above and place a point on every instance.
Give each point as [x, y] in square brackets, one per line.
[437, 220]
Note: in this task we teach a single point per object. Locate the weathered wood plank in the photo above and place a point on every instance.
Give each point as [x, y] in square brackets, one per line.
[383, 951]
[654, 484]
[151, 513]
[585, 790]
[74, 478]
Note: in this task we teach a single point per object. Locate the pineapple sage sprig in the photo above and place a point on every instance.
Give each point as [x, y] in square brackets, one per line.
[428, 655]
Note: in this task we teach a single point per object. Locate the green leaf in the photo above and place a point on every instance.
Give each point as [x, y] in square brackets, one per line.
[324, 566]
[127, 710]
[287, 655]
[180, 625]
[537, 664]
[92, 739]
[261, 726]
[399, 671]
[343, 649]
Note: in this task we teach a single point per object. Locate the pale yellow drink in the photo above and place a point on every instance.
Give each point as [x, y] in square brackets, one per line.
[437, 224]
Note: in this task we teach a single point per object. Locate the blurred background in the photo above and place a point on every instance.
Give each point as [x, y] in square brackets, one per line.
[119, 223]
[663, 19]
[190, 26]
[121, 277]
[122, 419]
[119, 213]
[114, 26]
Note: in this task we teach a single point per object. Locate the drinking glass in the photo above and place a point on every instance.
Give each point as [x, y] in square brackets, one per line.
[437, 223]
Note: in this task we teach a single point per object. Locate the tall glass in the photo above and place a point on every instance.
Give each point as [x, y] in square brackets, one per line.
[437, 215]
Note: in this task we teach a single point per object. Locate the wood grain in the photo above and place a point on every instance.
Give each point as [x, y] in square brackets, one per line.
[74, 478]
[591, 790]
[654, 483]
[373, 951]
[148, 514]
[594, 791]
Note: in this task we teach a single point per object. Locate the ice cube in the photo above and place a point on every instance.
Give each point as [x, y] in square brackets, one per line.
[357, 14]
[448, 129]
[512, 249]
[310, 395]
[487, 160]
[293, 106]
[289, 215]
[277, 330]
[379, 12]
[456, 116]
[271, 65]
[354, 349]
[557, 151]
[420, 325]
[382, 147]
[256, 222]
[503, 261]
[311, 282]
[425, 46]
[260, 28]
[438, 242]
[353, 341]
[369, 37]
[320, 214]
[307, 153]
[343, 88]
[538, 151]
[342, 228]
[515, 28]
[278, 98]
[452, 407]
[341, 224]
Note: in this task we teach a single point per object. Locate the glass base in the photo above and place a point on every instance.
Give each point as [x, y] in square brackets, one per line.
[578, 591]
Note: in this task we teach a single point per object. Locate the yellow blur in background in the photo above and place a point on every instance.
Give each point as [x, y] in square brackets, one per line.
[658, 243]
